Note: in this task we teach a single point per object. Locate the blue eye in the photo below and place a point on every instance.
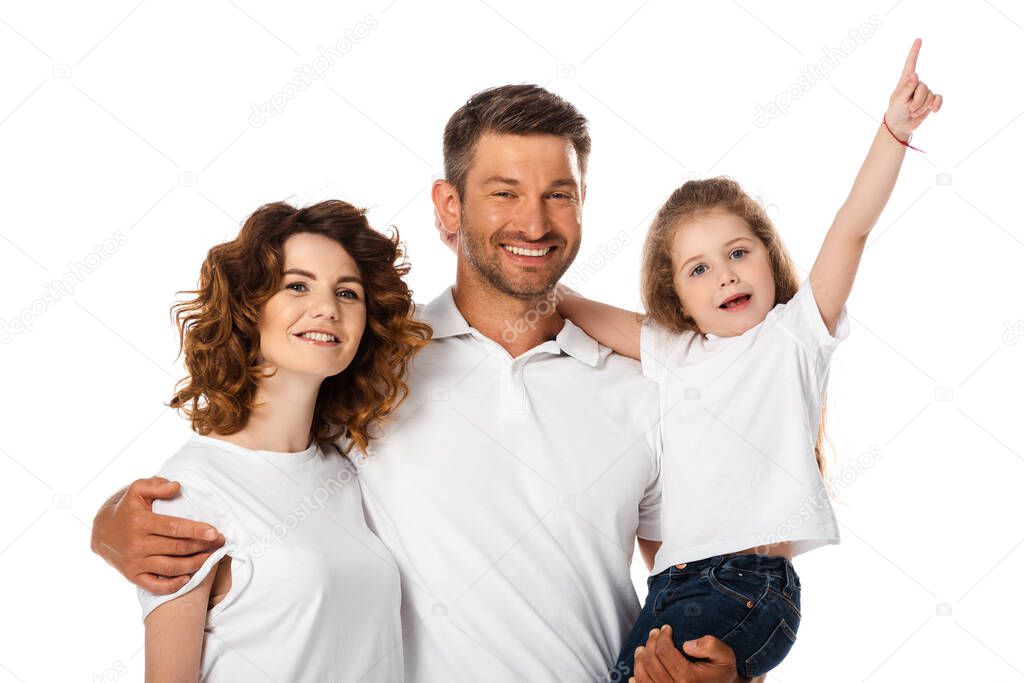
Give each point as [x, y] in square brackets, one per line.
[295, 284]
[741, 253]
[354, 297]
[698, 268]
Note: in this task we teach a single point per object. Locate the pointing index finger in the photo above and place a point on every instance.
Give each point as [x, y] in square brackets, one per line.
[911, 65]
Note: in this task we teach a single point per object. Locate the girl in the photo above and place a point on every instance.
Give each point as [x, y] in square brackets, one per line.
[741, 352]
[300, 333]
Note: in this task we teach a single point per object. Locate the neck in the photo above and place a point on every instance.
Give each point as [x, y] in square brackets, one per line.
[516, 324]
[282, 418]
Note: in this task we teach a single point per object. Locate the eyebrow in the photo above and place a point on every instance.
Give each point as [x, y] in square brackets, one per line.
[561, 182]
[306, 273]
[700, 256]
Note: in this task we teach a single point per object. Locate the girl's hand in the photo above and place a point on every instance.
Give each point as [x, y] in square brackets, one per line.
[912, 100]
[449, 239]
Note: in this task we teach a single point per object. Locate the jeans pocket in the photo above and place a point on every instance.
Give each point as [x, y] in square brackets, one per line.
[746, 587]
[771, 654]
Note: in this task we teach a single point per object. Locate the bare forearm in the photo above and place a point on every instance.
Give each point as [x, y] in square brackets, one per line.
[616, 328]
[648, 550]
[873, 186]
[836, 267]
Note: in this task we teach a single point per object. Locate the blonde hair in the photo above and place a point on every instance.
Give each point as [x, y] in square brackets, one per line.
[694, 198]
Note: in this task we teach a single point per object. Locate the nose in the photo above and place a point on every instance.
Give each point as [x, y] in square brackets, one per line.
[530, 218]
[324, 305]
[727, 277]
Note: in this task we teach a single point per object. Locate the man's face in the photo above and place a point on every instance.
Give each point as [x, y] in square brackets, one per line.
[521, 212]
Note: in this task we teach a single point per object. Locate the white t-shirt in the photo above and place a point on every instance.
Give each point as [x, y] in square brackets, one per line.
[314, 594]
[739, 423]
[510, 492]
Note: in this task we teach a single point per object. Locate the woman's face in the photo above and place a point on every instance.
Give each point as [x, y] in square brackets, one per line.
[313, 324]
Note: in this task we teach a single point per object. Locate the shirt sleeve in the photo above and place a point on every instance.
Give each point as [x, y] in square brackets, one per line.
[197, 500]
[649, 525]
[656, 344]
[802, 319]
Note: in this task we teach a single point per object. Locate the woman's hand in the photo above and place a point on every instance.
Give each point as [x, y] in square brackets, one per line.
[912, 100]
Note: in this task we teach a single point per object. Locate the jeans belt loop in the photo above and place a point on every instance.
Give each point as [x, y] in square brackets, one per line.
[790, 578]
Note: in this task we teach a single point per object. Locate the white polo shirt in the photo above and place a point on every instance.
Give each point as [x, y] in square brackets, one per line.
[510, 492]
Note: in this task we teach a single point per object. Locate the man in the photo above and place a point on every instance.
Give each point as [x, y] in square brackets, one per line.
[512, 483]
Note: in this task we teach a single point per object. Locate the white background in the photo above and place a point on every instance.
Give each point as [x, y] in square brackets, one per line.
[132, 123]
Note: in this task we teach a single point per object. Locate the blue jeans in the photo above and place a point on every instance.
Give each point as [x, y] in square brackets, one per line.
[751, 602]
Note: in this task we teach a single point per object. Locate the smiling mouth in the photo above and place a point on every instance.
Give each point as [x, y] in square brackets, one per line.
[321, 337]
[520, 251]
[735, 302]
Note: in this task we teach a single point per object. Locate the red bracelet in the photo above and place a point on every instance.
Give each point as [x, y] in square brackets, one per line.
[905, 144]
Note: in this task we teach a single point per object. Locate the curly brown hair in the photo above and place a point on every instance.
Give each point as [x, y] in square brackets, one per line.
[219, 334]
[696, 197]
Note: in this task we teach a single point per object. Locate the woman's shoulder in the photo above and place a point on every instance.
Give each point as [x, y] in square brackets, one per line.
[204, 468]
[195, 455]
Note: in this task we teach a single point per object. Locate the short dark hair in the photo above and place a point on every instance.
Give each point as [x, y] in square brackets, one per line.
[510, 110]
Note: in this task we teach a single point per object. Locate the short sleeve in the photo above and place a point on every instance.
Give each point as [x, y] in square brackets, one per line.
[197, 500]
[649, 524]
[656, 344]
[802, 318]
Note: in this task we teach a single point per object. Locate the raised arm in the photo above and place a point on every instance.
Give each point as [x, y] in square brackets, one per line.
[616, 328]
[155, 552]
[836, 266]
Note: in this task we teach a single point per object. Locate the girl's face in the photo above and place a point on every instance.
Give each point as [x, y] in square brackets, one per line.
[722, 274]
[313, 324]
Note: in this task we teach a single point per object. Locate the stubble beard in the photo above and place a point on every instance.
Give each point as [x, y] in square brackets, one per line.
[476, 252]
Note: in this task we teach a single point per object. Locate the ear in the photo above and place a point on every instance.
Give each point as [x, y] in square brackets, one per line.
[583, 193]
[448, 205]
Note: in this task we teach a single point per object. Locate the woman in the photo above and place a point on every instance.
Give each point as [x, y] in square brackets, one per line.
[299, 334]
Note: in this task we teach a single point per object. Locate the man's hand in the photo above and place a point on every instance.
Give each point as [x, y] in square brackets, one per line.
[660, 662]
[156, 552]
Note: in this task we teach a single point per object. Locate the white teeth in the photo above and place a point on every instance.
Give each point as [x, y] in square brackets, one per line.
[527, 252]
[733, 302]
[318, 336]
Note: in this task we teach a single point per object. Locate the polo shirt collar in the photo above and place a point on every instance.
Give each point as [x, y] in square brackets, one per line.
[444, 317]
